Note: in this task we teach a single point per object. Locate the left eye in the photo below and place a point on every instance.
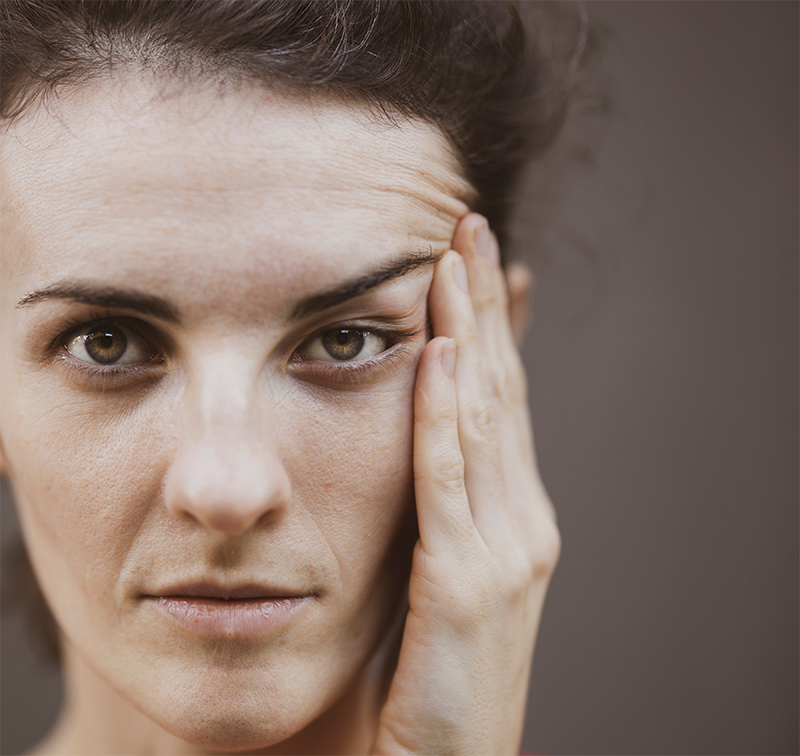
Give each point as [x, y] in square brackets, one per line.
[108, 344]
[344, 345]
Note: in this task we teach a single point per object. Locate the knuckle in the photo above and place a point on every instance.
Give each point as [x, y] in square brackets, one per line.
[532, 560]
[547, 553]
[518, 574]
[478, 603]
[490, 293]
[509, 384]
[469, 332]
[485, 297]
[481, 423]
[444, 415]
[438, 414]
[449, 473]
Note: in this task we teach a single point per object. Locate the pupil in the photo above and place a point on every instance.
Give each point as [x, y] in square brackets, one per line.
[344, 344]
[106, 345]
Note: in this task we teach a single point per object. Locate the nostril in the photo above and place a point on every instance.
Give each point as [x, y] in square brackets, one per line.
[228, 520]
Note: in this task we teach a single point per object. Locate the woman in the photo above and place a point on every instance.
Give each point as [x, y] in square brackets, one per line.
[265, 417]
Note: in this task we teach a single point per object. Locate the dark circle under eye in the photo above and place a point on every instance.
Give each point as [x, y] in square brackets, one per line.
[343, 344]
[105, 344]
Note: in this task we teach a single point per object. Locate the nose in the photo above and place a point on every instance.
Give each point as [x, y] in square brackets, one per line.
[226, 473]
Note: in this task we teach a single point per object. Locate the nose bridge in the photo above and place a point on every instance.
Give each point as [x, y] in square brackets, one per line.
[223, 400]
[226, 474]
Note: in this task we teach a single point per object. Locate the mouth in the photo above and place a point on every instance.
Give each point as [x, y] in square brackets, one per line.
[228, 593]
[241, 612]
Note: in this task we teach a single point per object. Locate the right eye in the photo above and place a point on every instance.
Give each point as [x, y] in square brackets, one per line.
[109, 344]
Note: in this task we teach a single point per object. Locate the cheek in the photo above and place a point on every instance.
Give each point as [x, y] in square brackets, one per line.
[85, 473]
[352, 478]
[351, 470]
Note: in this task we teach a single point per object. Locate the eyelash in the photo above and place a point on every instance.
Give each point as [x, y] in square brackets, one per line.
[353, 372]
[347, 372]
[110, 376]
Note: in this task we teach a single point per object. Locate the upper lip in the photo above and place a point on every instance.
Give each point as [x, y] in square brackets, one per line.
[229, 592]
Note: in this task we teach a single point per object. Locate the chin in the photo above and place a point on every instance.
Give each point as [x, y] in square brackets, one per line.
[233, 723]
[231, 736]
[285, 705]
[235, 734]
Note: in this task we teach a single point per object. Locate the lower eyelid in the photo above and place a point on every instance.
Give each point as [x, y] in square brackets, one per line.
[354, 374]
[85, 375]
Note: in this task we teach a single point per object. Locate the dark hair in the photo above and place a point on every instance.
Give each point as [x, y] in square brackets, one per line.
[467, 66]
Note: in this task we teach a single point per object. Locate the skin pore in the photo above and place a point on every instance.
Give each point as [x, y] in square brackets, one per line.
[234, 240]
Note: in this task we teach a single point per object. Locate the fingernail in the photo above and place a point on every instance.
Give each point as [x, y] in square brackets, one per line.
[449, 357]
[460, 274]
[486, 244]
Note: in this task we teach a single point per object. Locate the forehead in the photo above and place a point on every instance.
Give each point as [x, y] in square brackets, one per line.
[156, 176]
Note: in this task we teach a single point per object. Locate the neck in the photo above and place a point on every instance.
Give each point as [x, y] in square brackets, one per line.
[96, 719]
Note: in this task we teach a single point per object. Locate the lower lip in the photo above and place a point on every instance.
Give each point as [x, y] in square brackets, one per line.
[239, 619]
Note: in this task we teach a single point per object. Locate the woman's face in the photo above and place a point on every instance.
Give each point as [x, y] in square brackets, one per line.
[212, 312]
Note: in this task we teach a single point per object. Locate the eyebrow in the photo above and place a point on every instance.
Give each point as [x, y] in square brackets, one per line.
[128, 299]
[148, 304]
[351, 289]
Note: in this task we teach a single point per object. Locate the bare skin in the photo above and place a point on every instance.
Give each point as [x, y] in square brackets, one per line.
[228, 444]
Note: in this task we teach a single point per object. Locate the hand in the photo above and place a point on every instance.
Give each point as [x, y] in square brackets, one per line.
[488, 542]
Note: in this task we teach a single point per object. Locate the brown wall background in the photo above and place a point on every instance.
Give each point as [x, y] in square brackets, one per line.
[664, 386]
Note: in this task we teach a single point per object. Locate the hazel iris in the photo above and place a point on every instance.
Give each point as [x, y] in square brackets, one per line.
[343, 344]
[106, 344]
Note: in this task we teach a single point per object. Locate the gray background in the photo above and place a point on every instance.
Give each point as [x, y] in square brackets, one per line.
[664, 385]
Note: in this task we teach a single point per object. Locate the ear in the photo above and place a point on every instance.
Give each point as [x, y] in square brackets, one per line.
[520, 286]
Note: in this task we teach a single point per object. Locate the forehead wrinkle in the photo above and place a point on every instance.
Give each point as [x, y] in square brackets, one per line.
[205, 197]
[229, 180]
[404, 145]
